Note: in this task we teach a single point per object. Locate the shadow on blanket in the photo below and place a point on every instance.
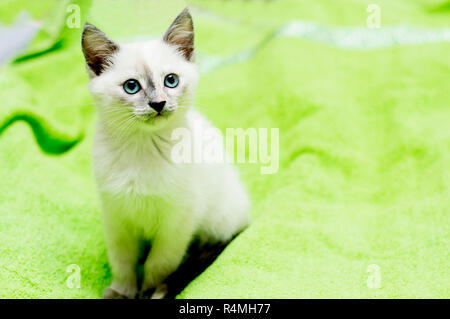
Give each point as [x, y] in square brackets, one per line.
[198, 258]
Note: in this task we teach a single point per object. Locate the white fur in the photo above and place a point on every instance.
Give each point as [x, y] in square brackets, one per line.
[145, 196]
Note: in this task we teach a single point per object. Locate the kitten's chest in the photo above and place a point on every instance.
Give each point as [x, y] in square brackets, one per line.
[140, 170]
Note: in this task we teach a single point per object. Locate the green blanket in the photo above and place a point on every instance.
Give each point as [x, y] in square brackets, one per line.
[359, 207]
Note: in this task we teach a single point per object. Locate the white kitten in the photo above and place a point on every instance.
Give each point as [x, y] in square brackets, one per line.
[143, 92]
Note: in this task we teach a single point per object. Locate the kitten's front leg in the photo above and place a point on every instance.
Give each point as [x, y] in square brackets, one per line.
[166, 255]
[123, 255]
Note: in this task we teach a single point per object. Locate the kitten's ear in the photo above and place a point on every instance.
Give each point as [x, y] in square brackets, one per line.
[181, 34]
[97, 49]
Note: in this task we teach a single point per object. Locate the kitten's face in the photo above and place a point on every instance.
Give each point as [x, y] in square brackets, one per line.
[142, 85]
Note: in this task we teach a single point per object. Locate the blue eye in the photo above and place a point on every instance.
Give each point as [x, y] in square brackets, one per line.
[171, 80]
[131, 86]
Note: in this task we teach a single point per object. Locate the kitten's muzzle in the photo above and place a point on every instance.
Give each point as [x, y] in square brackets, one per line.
[157, 106]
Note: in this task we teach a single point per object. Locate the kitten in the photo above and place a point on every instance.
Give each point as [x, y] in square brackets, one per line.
[143, 91]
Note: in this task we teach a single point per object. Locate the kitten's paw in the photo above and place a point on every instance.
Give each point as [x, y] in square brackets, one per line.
[159, 292]
[112, 293]
[146, 294]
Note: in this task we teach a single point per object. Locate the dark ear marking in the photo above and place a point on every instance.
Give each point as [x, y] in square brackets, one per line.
[181, 34]
[97, 48]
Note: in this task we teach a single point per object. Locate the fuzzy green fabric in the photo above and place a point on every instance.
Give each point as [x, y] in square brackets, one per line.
[364, 175]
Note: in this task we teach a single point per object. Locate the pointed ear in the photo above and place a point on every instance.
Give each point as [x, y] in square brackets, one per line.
[181, 34]
[97, 49]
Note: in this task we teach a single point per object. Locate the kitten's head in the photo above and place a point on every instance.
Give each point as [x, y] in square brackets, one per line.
[144, 84]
